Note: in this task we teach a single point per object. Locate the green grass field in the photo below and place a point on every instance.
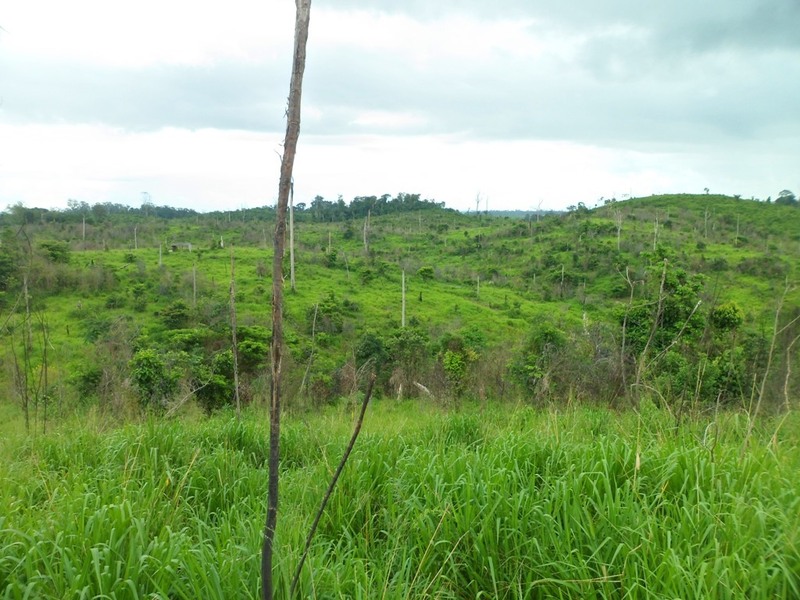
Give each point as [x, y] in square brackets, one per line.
[509, 502]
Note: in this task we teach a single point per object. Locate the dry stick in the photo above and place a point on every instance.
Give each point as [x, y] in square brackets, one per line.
[659, 312]
[787, 404]
[234, 340]
[173, 409]
[291, 236]
[332, 484]
[631, 284]
[302, 16]
[310, 354]
[751, 417]
[366, 233]
[11, 313]
[26, 348]
[403, 299]
[43, 374]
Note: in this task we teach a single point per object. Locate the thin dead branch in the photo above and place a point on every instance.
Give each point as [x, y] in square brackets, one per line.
[332, 485]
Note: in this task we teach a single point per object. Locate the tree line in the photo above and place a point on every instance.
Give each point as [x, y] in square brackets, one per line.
[318, 210]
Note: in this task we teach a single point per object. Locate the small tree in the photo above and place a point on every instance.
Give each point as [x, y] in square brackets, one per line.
[154, 380]
[787, 198]
[531, 367]
[175, 315]
[426, 273]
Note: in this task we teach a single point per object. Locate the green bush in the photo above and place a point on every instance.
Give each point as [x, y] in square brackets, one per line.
[154, 380]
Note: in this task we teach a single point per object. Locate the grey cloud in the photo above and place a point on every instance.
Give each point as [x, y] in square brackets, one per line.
[688, 71]
[677, 25]
[223, 96]
[707, 99]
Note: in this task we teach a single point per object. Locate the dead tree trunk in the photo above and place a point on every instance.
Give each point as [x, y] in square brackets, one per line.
[366, 234]
[234, 340]
[403, 299]
[303, 11]
[291, 236]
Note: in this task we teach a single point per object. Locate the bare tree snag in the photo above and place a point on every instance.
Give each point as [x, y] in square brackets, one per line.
[366, 233]
[655, 234]
[291, 236]
[302, 15]
[403, 299]
[622, 358]
[234, 340]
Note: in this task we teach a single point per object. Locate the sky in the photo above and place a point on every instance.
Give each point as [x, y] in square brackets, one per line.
[521, 104]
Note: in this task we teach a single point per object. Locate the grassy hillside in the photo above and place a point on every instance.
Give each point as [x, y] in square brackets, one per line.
[514, 473]
[650, 292]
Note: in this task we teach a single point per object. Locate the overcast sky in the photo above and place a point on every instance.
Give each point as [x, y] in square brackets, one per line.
[526, 103]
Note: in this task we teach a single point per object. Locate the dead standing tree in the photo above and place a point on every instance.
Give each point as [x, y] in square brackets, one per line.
[303, 10]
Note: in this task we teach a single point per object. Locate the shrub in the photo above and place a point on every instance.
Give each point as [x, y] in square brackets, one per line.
[425, 273]
[175, 315]
[726, 316]
[153, 379]
[56, 252]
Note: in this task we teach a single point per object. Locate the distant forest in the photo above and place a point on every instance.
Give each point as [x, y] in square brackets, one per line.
[318, 210]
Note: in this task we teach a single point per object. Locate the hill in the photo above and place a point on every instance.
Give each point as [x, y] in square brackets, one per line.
[673, 297]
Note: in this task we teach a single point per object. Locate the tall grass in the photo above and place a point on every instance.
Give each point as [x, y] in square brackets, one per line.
[505, 503]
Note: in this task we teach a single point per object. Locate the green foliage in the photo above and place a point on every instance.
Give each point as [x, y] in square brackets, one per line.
[372, 347]
[455, 368]
[95, 327]
[666, 314]
[253, 356]
[533, 361]
[458, 354]
[56, 251]
[726, 316]
[409, 356]
[253, 348]
[366, 275]
[175, 315]
[787, 198]
[190, 340]
[115, 301]
[87, 379]
[329, 313]
[155, 380]
[745, 249]
[331, 256]
[408, 346]
[10, 261]
[214, 382]
[426, 273]
[474, 339]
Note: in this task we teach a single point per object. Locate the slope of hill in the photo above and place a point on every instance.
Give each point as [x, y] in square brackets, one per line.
[672, 296]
